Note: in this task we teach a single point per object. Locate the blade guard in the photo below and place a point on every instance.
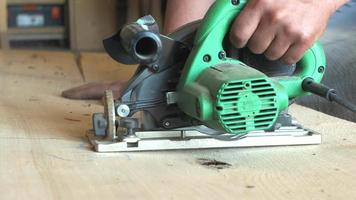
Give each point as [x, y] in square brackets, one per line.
[215, 27]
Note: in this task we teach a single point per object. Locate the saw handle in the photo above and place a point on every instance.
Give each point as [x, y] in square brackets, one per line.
[216, 25]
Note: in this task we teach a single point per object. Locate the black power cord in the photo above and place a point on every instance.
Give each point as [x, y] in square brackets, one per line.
[330, 94]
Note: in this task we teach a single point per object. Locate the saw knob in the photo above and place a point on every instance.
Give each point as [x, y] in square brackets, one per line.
[131, 125]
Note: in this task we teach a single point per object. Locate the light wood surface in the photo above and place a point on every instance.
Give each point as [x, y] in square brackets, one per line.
[134, 13]
[3, 17]
[4, 43]
[100, 67]
[139, 8]
[44, 153]
[91, 21]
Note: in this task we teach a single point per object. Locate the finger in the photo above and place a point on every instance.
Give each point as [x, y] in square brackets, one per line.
[117, 88]
[294, 53]
[244, 26]
[261, 38]
[87, 91]
[278, 47]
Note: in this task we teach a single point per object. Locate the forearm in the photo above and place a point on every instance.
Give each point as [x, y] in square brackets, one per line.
[338, 3]
[180, 12]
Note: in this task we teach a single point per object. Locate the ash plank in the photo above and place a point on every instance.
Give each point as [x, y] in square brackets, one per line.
[45, 156]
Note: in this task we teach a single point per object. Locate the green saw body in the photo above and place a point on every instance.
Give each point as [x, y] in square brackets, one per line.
[226, 94]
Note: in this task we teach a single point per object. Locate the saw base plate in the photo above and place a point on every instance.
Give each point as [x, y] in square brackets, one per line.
[179, 140]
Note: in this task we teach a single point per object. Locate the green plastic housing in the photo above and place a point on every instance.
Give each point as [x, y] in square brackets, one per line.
[208, 76]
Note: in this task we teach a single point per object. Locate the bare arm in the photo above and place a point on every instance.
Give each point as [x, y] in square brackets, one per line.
[279, 29]
[180, 12]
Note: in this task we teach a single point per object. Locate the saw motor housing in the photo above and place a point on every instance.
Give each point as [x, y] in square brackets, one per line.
[234, 98]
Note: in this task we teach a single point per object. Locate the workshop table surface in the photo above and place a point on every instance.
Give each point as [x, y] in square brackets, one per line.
[44, 153]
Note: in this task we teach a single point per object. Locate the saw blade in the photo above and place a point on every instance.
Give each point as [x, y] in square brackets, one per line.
[109, 113]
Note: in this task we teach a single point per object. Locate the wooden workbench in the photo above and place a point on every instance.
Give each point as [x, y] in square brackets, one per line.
[44, 153]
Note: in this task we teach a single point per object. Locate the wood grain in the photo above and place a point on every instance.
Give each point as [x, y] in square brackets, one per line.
[134, 10]
[139, 8]
[3, 16]
[91, 21]
[4, 43]
[100, 67]
[43, 155]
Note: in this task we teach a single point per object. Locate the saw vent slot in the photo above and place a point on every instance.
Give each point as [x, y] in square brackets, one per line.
[247, 105]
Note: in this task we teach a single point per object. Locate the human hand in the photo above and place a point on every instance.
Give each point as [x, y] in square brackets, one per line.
[281, 29]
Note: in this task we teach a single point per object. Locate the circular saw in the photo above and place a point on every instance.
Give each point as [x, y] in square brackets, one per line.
[195, 79]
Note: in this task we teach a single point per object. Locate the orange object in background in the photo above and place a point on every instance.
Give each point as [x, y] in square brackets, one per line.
[56, 12]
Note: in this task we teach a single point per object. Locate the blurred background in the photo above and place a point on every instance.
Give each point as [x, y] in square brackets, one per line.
[68, 24]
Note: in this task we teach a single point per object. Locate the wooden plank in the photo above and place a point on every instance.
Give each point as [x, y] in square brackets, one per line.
[139, 8]
[3, 16]
[45, 155]
[156, 11]
[72, 25]
[100, 67]
[4, 43]
[91, 21]
[134, 10]
[31, 84]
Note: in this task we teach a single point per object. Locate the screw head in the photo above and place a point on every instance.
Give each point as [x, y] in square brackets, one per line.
[123, 110]
[155, 67]
[207, 58]
[321, 69]
[235, 2]
[222, 55]
[167, 124]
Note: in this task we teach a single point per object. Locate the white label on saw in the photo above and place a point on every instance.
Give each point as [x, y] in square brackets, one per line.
[30, 20]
